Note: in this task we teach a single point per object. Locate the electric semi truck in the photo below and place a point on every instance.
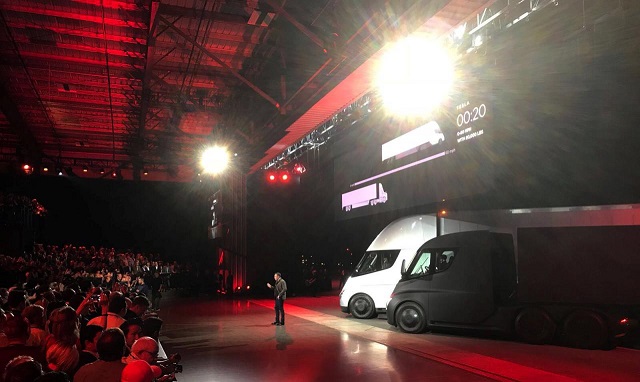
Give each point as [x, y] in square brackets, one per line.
[367, 290]
[573, 285]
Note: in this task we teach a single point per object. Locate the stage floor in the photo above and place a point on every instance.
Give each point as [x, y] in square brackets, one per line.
[233, 340]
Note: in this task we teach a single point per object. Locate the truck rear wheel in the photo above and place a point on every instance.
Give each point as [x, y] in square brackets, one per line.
[584, 329]
[411, 318]
[534, 326]
[362, 306]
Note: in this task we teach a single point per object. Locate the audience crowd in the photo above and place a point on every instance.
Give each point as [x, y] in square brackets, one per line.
[83, 314]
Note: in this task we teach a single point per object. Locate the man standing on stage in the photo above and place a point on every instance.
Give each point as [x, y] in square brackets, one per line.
[279, 294]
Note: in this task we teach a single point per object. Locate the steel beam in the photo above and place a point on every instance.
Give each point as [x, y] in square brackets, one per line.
[192, 12]
[71, 31]
[312, 36]
[96, 19]
[145, 98]
[219, 61]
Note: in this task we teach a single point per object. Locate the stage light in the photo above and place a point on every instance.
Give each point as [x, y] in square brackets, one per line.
[145, 172]
[26, 167]
[299, 169]
[45, 169]
[414, 76]
[59, 170]
[85, 169]
[114, 174]
[284, 177]
[477, 41]
[214, 160]
[271, 177]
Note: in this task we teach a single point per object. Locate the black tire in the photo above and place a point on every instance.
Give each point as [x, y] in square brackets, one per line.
[410, 318]
[362, 306]
[584, 329]
[534, 326]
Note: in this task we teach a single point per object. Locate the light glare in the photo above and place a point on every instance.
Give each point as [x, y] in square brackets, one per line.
[214, 160]
[414, 76]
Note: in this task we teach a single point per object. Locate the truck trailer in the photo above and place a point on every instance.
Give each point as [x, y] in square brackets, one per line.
[572, 285]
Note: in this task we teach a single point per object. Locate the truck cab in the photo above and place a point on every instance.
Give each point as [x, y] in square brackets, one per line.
[470, 280]
[367, 290]
[456, 280]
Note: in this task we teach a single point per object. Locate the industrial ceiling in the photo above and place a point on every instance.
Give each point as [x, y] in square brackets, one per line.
[140, 86]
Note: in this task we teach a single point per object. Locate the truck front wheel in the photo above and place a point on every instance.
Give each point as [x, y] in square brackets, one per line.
[585, 329]
[534, 326]
[411, 318]
[362, 306]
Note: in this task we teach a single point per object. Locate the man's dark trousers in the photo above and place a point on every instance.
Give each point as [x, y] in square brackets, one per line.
[279, 311]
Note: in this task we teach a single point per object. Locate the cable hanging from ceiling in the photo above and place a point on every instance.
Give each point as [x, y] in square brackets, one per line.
[106, 56]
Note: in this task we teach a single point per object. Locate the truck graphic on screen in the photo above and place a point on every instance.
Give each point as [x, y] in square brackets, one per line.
[368, 195]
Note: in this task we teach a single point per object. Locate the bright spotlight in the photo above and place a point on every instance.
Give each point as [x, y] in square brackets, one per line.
[214, 160]
[414, 76]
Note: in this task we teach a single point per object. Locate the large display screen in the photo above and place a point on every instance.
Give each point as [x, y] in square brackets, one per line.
[537, 119]
[389, 163]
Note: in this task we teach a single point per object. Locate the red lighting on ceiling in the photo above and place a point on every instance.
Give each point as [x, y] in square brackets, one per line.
[624, 321]
[280, 177]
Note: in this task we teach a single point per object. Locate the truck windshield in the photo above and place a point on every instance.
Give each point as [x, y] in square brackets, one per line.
[374, 261]
[421, 264]
[431, 261]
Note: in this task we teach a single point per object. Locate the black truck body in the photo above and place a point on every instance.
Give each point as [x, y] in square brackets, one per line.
[575, 285]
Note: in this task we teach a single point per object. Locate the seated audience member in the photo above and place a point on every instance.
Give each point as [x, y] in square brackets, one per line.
[151, 327]
[17, 331]
[16, 302]
[116, 309]
[22, 369]
[89, 336]
[63, 325]
[108, 367]
[63, 358]
[141, 287]
[132, 330]
[3, 337]
[35, 315]
[4, 297]
[53, 376]
[139, 306]
[146, 349]
[138, 371]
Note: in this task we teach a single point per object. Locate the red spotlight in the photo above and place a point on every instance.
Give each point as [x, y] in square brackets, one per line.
[284, 177]
[26, 167]
[271, 177]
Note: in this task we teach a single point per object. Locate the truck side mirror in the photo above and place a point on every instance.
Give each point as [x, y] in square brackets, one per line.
[403, 268]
